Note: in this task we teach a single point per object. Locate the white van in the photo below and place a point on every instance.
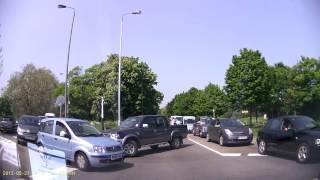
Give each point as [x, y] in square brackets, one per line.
[189, 121]
[178, 120]
[49, 115]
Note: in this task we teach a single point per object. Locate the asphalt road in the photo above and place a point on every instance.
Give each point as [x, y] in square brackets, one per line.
[198, 159]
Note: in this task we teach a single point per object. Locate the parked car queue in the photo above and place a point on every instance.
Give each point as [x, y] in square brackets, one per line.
[87, 147]
[83, 144]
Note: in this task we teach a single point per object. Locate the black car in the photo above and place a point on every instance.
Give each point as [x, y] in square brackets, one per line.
[296, 135]
[200, 128]
[229, 131]
[8, 124]
[148, 130]
[28, 127]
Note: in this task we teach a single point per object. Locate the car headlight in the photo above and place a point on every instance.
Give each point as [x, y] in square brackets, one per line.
[19, 130]
[99, 149]
[228, 132]
[114, 136]
[317, 142]
[250, 131]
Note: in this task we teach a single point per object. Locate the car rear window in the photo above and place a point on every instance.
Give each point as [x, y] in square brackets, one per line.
[34, 121]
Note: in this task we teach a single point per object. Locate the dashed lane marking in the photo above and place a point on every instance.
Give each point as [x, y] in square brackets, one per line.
[226, 154]
[255, 155]
[215, 151]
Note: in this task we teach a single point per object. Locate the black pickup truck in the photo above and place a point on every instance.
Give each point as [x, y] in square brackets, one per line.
[148, 130]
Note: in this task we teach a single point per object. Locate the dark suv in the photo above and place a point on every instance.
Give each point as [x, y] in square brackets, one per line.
[148, 130]
[28, 127]
[8, 124]
[298, 135]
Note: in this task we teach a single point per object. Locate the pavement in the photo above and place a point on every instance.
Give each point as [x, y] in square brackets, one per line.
[198, 159]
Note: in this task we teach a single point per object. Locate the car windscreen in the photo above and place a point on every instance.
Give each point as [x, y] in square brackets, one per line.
[130, 122]
[231, 123]
[83, 129]
[303, 123]
[206, 121]
[7, 119]
[33, 121]
[189, 121]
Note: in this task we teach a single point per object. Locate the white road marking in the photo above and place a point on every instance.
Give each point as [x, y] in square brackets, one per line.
[255, 155]
[215, 151]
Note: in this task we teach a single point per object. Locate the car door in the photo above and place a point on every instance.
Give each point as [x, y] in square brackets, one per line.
[62, 143]
[163, 134]
[46, 133]
[216, 131]
[272, 133]
[210, 128]
[148, 133]
[286, 139]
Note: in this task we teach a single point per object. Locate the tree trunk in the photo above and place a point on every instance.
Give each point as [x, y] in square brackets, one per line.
[250, 114]
[256, 115]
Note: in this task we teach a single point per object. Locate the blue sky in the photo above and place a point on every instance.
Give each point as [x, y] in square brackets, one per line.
[187, 43]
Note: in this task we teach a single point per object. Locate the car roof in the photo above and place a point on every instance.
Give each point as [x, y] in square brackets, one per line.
[64, 119]
[143, 116]
[290, 116]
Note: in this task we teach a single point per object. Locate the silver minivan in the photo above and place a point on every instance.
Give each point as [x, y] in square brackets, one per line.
[81, 142]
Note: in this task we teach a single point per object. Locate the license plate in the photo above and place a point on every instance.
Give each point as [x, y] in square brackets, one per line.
[242, 137]
[116, 156]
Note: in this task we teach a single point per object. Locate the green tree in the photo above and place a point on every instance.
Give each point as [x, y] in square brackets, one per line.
[5, 106]
[31, 91]
[138, 95]
[304, 94]
[280, 82]
[247, 79]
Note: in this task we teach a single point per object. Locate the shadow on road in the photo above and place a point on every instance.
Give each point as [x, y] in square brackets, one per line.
[161, 149]
[292, 157]
[112, 168]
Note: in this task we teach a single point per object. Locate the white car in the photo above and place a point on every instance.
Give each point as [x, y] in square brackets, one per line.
[189, 121]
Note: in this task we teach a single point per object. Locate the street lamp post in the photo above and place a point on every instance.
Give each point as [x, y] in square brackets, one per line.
[119, 68]
[66, 85]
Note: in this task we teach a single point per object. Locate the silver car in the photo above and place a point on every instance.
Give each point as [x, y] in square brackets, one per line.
[81, 142]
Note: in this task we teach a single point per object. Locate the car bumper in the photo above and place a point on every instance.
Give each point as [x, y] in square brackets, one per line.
[106, 160]
[8, 128]
[315, 151]
[28, 137]
[238, 140]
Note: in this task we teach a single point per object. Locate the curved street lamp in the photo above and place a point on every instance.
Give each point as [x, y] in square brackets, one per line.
[66, 85]
[119, 68]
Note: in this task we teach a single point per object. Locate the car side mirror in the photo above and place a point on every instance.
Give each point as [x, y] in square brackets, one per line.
[290, 132]
[145, 125]
[64, 134]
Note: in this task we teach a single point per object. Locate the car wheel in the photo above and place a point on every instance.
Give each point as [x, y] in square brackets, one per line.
[130, 148]
[175, 143]
[303, 153]
[154, 146]
[208, 138]
[262, 147]
[194, 133]
[82, 161]
[221, 140]
[200, 134]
